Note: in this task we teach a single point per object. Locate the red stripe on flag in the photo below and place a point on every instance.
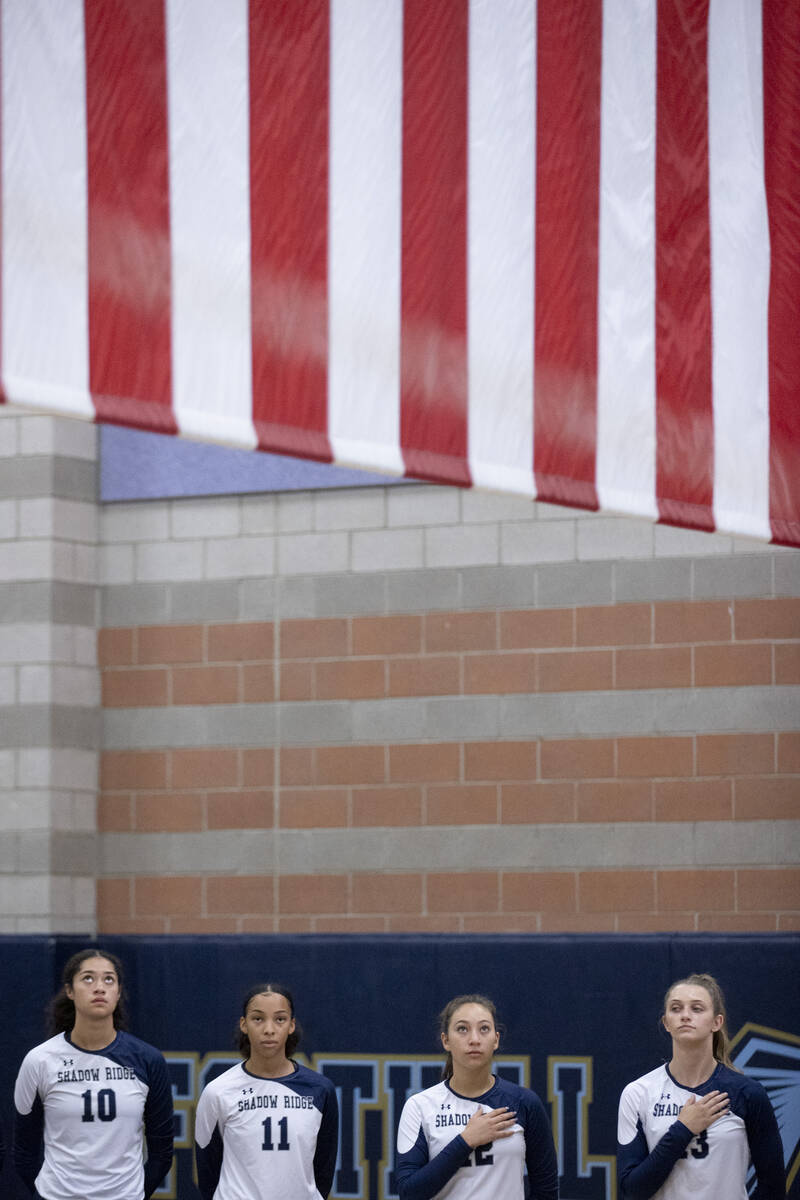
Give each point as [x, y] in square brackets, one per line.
[569, 60]
[130, 371]
[684, 416]
[433, 352]
[781, 53]
[289, 102]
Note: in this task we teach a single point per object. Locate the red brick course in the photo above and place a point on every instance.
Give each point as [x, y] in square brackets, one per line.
[469, 901]
[589, 781]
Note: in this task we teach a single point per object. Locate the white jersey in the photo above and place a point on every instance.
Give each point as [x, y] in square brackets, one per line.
[659, 1156]
[266, 1139]
[433, 1160]
[93, 1109]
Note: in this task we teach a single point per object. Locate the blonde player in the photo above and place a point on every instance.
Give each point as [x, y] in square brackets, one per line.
[689, 1129]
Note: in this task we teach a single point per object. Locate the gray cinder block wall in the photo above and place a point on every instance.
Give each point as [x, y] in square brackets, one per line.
[49, 682]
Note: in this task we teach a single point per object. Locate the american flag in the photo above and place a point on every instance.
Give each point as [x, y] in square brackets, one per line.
[549, 247]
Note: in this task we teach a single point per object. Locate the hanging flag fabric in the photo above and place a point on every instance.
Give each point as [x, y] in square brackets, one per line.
[548, 247]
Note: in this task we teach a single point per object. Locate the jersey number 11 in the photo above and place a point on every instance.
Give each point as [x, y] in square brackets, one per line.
[283, 1126]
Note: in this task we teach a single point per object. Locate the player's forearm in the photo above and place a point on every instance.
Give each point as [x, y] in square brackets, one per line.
[27, 1148]
[423, 1181]
[209, 1165]
[642, 1180]
[159, 1154]
[155, 1169]
[541, 1162]
[766, 1151]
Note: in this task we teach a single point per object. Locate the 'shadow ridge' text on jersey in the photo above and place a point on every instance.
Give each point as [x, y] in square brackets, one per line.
[433, 1160]
[659, 1156]
[266, 1139]
[93, 1108]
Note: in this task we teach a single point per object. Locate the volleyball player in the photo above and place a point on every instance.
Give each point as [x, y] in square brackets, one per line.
[90, 1094]
[689, 1129]
[268, 1127]
[472, 1135]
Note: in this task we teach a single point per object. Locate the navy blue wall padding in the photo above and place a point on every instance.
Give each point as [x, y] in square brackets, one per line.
[590, 1004]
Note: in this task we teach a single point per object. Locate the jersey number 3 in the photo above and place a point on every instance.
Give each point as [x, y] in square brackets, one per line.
[698, 1147]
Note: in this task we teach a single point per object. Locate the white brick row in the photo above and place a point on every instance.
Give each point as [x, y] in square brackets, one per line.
[158, 561]
[41, 434]
[41, 767]
[39, 643]
[77, 686]
[44, 902]
[534, 542]
[369, 529]
[24, 810]
[313, 554]
[237, 558]
[67, 520]
[388, 550]
[204, 518]
[8, 517]
[462, 546]
[6, 780]
[73, 812]
[9, 433]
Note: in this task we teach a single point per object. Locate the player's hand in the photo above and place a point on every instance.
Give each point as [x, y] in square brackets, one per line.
[701, 1111]
[484, 1127]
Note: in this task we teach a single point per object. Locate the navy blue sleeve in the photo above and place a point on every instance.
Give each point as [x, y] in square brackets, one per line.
[158, 1125]
[640, 1171]
[766, 1148]
[540, 1151]
[327, 1144]
[421, 1178]
[209, 1164]
[29, 1143]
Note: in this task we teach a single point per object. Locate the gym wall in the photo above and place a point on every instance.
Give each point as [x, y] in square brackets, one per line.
[386, 709]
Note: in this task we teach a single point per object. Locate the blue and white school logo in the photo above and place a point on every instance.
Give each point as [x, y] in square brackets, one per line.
[773, 1058]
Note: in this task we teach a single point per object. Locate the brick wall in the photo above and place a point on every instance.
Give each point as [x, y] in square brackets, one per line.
[424, 709]
[403, 708]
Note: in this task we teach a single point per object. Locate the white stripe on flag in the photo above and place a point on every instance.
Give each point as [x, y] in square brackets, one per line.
[739, 268]
[626, 294]
[366, 82]
[500, 272]
[210, 219]
[45, 335]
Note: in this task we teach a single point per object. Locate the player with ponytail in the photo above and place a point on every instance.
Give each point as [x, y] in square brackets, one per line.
[92, 1094]
[690, 1129]
[267, 1128]
[472, 1136]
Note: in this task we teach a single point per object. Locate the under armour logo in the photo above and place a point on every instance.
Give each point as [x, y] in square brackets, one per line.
[67, 1062]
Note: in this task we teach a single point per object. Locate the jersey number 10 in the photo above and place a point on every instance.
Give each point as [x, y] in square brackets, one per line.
[106, 1105]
